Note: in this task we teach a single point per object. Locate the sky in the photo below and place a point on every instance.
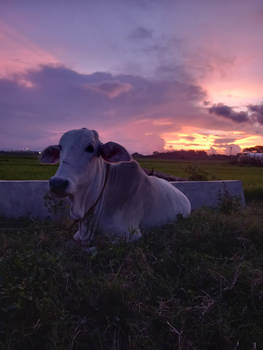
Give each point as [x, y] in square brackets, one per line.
[151, 75]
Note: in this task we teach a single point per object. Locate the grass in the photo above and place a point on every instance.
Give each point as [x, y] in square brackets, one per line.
[195, 284]
[29, 168]
[24, 168]
[251, 176]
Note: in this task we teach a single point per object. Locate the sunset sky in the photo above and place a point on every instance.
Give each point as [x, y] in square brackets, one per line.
[149, 74]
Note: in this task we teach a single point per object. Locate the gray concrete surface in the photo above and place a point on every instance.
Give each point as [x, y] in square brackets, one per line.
[210, 193]
[31, 198]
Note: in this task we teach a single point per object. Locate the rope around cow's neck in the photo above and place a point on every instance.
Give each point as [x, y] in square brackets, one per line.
[92, 208]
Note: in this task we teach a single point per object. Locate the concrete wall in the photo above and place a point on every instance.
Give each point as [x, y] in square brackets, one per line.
[30, 198]
[210, 193]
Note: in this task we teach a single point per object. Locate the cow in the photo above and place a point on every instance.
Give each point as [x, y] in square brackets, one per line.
[108, 190]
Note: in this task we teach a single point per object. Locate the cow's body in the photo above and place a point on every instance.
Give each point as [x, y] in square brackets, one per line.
[119, 199]
[131, 200]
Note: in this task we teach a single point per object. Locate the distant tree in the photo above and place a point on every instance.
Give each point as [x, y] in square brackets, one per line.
[179, 154]
[256, 149]
[137, 155]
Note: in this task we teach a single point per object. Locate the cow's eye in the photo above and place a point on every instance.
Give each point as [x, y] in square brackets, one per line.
[89, 149]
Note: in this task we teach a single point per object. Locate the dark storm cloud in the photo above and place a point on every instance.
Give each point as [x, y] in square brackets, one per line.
[227, 112]
[254, 113]
[256, 108]
[36, 105]
[257, 112]
[141, 33]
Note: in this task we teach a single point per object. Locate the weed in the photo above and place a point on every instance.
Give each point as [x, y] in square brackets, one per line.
[229, 204]
[195, 173]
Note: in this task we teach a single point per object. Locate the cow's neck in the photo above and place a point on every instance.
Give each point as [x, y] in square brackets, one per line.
[88, 195]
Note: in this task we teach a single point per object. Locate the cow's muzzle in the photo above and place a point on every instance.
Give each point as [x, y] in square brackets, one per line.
[59, 186]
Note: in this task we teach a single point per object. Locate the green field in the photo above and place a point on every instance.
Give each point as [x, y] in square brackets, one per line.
[29, 168]
[24, 168]
[251, 176]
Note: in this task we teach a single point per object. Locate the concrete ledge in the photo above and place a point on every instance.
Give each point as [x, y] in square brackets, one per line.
[30, 198]
[210, 193]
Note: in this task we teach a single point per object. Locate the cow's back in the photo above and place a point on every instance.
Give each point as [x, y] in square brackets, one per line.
[136, 200]
[163, 202]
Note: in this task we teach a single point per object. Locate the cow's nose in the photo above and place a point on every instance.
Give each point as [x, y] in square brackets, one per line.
[58, 185]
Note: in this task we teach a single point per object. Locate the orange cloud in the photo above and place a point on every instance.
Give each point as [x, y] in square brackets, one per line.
[222, 141]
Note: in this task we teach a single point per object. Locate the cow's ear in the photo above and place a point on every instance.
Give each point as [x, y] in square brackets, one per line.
[50, 155]
[113, 152]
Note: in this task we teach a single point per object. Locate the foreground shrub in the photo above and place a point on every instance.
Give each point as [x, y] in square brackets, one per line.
[196, 284]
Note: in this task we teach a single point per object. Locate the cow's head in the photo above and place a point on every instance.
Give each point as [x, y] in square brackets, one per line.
[80, 154]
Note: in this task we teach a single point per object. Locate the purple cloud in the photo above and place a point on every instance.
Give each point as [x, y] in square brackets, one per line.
[41, 104]
[253, 114]
[257, 112]
[225, 111]
[109, 88]
[141, 33]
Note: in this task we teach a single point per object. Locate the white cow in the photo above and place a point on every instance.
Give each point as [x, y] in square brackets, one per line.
[108, 190]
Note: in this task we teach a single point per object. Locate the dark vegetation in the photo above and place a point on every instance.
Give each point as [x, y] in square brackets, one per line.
[182, 155]
[196, 284]
[258, 149]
